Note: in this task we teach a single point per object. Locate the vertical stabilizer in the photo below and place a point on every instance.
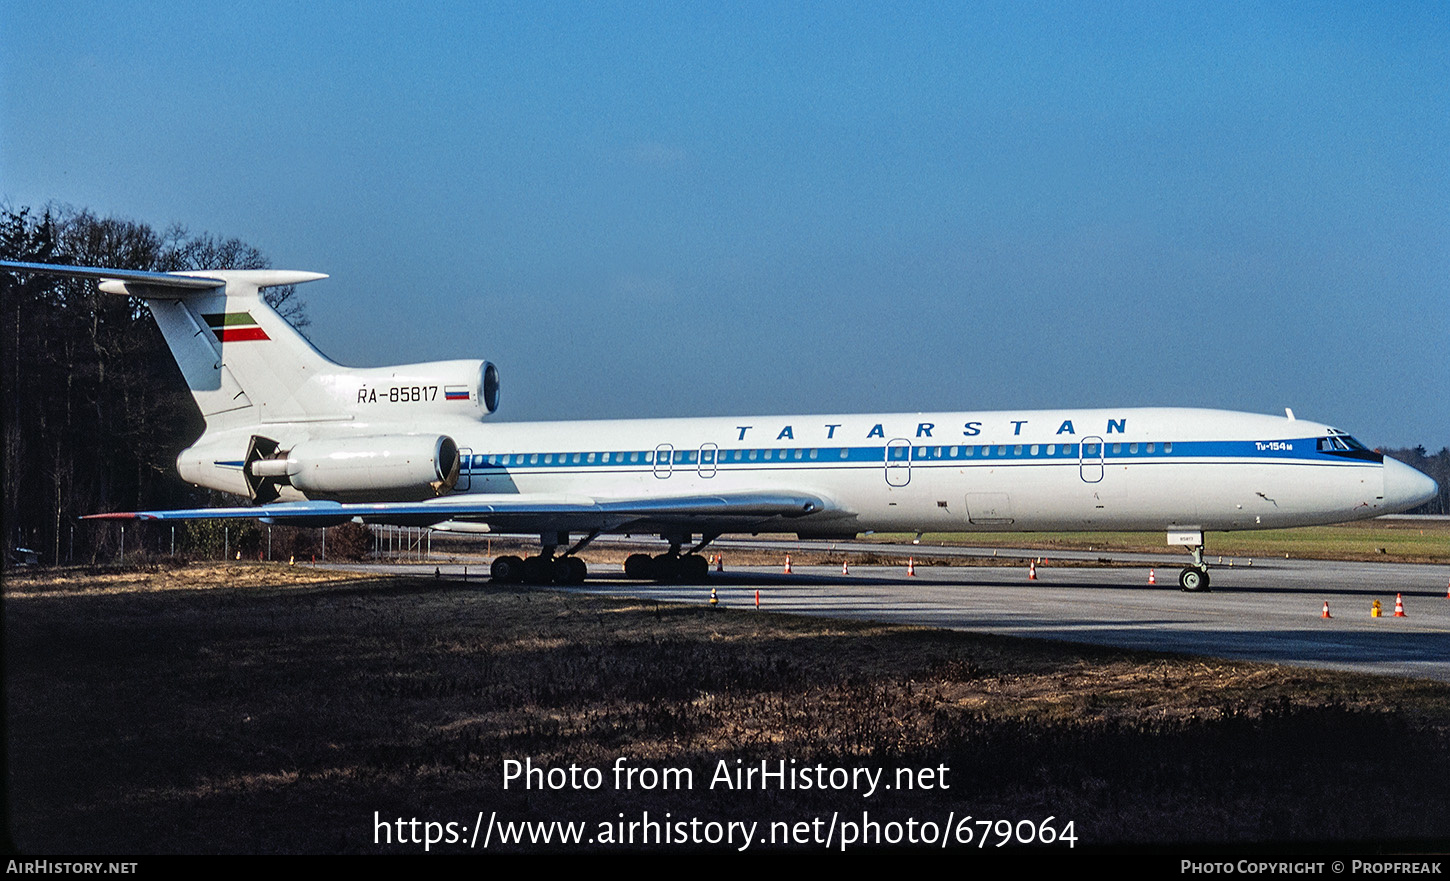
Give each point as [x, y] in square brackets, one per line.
[242, 361]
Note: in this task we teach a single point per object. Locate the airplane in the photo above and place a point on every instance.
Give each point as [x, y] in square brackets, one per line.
[312, 443]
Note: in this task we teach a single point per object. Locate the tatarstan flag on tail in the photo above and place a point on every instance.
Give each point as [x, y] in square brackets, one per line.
[233, 327]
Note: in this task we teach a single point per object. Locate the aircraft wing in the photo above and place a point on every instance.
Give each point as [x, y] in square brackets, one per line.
[525, 512]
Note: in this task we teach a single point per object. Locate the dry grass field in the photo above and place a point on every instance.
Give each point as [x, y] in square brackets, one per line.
[252, 708]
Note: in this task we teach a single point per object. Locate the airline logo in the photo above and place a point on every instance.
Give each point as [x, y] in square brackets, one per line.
[455, 392]
[235, 327]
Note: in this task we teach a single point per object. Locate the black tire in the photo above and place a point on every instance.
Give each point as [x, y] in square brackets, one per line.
[668, 568]
[507, 570]
[559, 569]
[539, 570]
[696, 568]
[639, 566]
[1193, 580]
[578, 570]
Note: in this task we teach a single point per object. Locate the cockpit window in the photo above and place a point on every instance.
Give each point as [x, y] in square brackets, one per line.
[1338, 441]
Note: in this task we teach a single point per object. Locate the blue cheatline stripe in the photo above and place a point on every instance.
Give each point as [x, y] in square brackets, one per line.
[1295, 451]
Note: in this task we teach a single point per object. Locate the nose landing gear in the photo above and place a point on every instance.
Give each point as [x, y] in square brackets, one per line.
[1194, 578]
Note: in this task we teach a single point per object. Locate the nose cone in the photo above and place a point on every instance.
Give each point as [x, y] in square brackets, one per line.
[1405, 487]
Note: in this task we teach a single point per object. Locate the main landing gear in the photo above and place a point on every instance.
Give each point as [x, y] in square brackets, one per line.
[672, 567]
[542, 569]
[545, 568]
[1195, 578]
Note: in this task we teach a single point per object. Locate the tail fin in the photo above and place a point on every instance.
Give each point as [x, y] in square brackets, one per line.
[242, 361]
[235, 351]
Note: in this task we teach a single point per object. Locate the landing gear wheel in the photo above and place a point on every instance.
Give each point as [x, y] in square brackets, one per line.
[1191, 579]
[694, 568]
[668, 568]
[539, 570]
[559, 569]
[507, 570]
[569, 570]
[639, 566]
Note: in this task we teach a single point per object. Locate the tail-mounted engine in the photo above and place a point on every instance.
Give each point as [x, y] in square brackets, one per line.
[381, 468]
[448, 388]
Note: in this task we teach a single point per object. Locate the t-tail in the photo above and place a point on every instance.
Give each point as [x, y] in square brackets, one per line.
[280, 416]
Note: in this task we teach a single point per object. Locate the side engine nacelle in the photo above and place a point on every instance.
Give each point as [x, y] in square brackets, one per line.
[379, 468]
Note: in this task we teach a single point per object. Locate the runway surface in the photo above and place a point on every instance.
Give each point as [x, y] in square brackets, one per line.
[1269, 611]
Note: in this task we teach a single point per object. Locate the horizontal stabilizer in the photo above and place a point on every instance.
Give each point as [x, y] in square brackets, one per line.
[195, 281]
[207, 279]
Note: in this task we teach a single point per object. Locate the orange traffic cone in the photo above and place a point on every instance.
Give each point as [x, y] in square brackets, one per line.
[787, 564]
[719, 562]
[1152, 577]
[1032, 570]
[910, 566]
[1399, 606]
[845, 568]
[1326, 610]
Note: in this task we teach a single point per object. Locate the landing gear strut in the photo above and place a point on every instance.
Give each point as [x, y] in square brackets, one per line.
[1195, 578]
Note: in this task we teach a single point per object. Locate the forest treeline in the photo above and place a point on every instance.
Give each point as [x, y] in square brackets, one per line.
[95, 409]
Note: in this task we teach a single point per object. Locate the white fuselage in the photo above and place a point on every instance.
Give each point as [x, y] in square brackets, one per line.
[1123, 469]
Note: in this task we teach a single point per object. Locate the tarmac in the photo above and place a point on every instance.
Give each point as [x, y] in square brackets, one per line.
[1259, 610]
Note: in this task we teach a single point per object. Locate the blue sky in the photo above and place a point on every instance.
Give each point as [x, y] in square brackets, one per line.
[650, 209]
